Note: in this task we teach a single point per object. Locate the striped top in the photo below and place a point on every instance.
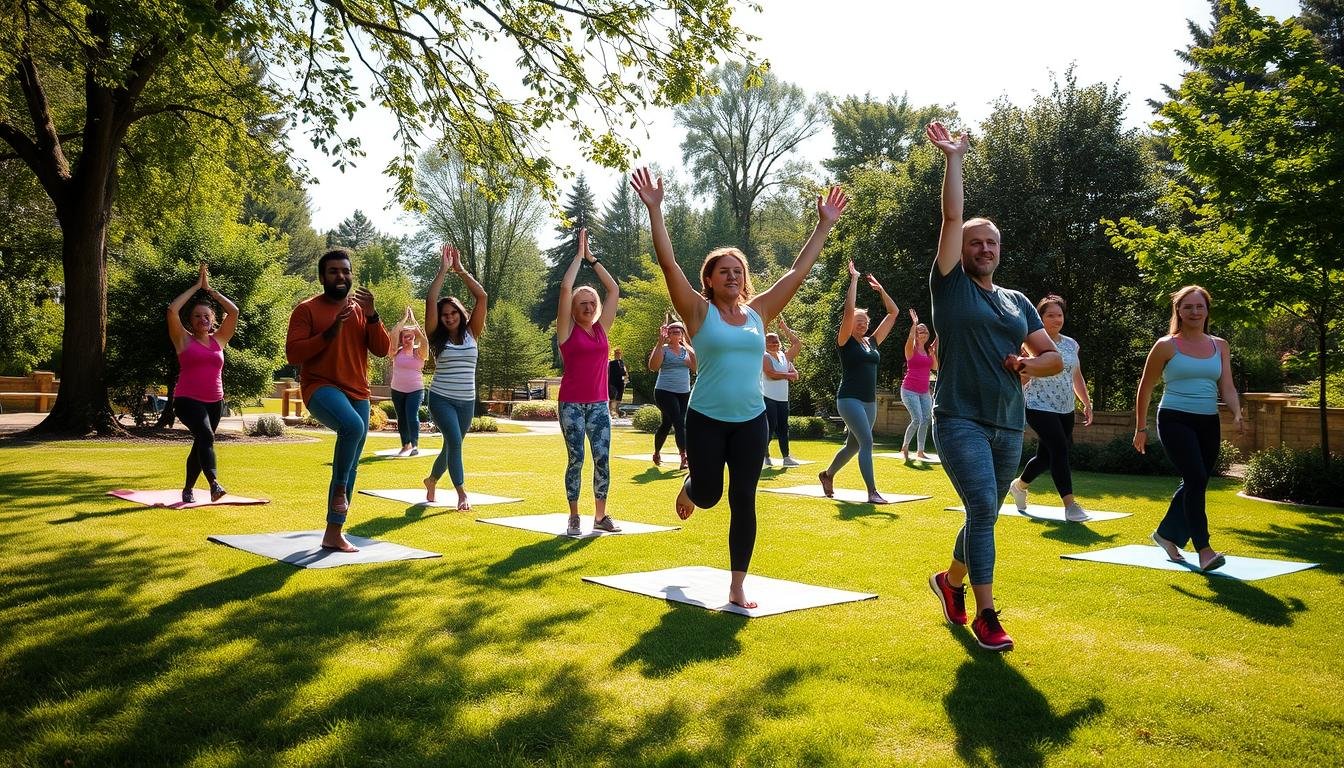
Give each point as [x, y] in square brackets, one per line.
[455, 370]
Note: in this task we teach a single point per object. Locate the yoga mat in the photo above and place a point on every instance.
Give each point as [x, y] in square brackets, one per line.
[1150, 556]
[447, 497]
[555, 522]
[1038, 512]
[843, 494]
[671, 460]
[779, 462]
[391, 453]
[933, 457]
[708, 588]
[173, 499]
[303, 548]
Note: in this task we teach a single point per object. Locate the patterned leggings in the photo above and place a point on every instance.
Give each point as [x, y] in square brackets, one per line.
[593, 420]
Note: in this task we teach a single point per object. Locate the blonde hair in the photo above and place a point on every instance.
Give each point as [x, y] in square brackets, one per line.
[1178, 296]
[981, 221]
[707, 268]
[574, 297]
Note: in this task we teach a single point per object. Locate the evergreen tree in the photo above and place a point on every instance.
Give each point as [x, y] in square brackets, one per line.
[355, 232]
[616, 236]
[580, 210]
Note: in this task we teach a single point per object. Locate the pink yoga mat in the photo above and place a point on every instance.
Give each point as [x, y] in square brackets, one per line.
[173, 499]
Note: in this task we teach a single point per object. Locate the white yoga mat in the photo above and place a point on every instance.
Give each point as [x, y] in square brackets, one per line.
[555, 523]
[933, 457]
[778, 463]
[173, 499]
[447, 497]
[391, 453]
[304, 549]
[1038, 512]
[843, 494]
[1150, 556]
[708, 588]
[671, 460]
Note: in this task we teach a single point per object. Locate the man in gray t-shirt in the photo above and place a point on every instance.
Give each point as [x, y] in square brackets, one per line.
[978, 413]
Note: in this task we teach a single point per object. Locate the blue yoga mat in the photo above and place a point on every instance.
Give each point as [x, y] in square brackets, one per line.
[1150, 556]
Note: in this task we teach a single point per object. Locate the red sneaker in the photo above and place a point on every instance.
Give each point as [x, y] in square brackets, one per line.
[989, 632]
[952, 599]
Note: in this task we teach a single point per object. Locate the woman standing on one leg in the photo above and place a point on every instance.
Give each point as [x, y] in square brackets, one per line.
[582, 320]
[856, 400]
[674, 360]
[978, 415]
[408, 380]
[777, 370]
[920, 361]
[453, 332]
[1050, 407]
[726, 423]
[198, 398]
[1195, 368]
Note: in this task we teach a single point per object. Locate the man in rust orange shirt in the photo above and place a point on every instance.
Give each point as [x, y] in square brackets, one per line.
[330, 338]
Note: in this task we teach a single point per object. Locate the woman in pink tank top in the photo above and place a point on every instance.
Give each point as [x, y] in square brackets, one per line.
[198, 398]
[407, 380]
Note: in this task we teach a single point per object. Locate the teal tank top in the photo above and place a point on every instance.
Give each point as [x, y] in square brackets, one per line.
[1191, 383]
[728, 377]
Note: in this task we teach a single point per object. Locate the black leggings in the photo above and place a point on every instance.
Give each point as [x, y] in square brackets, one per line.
[1191, 442]
[741, 445]
[1055, 433]
[202, 419]
[673, 406]
[777, 412]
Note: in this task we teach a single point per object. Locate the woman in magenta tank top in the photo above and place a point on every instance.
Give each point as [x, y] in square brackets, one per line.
[582, 320]
[921, 359]
[198, 398]
[407, 380]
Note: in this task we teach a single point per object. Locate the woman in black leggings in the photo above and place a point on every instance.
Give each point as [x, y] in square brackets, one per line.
[198, 398]
[674, 361]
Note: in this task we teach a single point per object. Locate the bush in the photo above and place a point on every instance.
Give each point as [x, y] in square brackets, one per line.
[807, 426]
[484, 424]
[310, 421]
[1118, 457]
[1227, 456]
[647, 418]
[425, 416]
[267, 425]
[535, 410]
[389, 410]
[1289, 474]
[377, 419]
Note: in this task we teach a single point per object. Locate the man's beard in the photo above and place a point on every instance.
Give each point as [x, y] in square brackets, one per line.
[336, 293]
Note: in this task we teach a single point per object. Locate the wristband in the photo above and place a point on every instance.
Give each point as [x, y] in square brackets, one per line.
[372, 318]
[1140, 429]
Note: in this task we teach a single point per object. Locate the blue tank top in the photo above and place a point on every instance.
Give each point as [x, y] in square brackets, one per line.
[1191, 383]
[728, 380]
[674, 375]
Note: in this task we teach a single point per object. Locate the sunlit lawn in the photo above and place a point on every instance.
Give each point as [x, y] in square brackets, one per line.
[126, 638]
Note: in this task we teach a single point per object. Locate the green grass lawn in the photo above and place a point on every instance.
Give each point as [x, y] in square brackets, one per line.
[127, 639]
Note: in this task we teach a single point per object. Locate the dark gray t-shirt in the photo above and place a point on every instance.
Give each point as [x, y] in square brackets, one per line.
[976, 329]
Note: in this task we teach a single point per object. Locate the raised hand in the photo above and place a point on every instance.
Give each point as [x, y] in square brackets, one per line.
[914, 317]
[942, 138]
[662, 334]
[364, 298]
[583, 246]
[872, 283]
[783, 326]
[853, 272]
[204, 280]
[831, 206]
[650, 192]
[452, 260]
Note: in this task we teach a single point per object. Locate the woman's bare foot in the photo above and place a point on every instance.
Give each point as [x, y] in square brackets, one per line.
[1210, 560]
[738, 596]
[905, 454]
[922, 455]
[334, 540]
[827, 483]
[685, 464]
[876, 498]
[684, 504]
[462, 504]
[339, 503]
[1173, 551]
[429, 488]
[405, 450]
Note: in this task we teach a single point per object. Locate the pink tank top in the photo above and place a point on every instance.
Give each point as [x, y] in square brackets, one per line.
[917, 370]
[407, 372]
[201, 371]
[585, 359]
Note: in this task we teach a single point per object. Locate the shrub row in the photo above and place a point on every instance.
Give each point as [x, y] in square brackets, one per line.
[535, 410]
[1118, 457]
[1301, 475]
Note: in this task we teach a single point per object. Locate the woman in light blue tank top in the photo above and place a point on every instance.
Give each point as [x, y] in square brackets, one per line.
[726, 423]
[1195, 368]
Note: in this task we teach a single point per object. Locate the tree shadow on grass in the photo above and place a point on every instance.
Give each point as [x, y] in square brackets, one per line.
[999, 716]
[1248, 600]
[1076, 534]
[24, 493]
[654, 474]
[1318, 540]
[685, 634]
[849, 510]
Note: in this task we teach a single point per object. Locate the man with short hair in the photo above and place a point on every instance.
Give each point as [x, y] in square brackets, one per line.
[330, 338]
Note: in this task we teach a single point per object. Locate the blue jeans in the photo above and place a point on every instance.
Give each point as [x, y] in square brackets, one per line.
[920, 406]
[453, 418]
[408, 415]
[593, 420]
[859, 417]
[349, 419]
[981, 461]
[777, 415]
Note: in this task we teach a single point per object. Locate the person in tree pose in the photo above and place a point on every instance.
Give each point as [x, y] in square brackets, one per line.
[1195, 368]
[777, 370]
[198, 398]
[726, 422]
[408, 382]
[453, 332]
[582, 320]
[978, 416]
[856, 399]
[674, 361]
[921, 360]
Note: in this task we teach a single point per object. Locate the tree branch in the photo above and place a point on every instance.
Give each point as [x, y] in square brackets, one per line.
[179, 109]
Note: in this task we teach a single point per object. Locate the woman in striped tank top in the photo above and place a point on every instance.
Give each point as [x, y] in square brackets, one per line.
[452, 334]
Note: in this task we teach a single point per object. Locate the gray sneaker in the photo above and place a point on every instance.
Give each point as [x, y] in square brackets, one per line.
[1075, 513]
[606, 524]
[768, 463]
[789, 462]
[573, 529]
[1019, 494]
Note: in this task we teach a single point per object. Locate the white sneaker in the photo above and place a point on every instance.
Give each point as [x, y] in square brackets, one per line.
[1019, 493]
[789, 462]
[573, 528]
[1075, 513]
